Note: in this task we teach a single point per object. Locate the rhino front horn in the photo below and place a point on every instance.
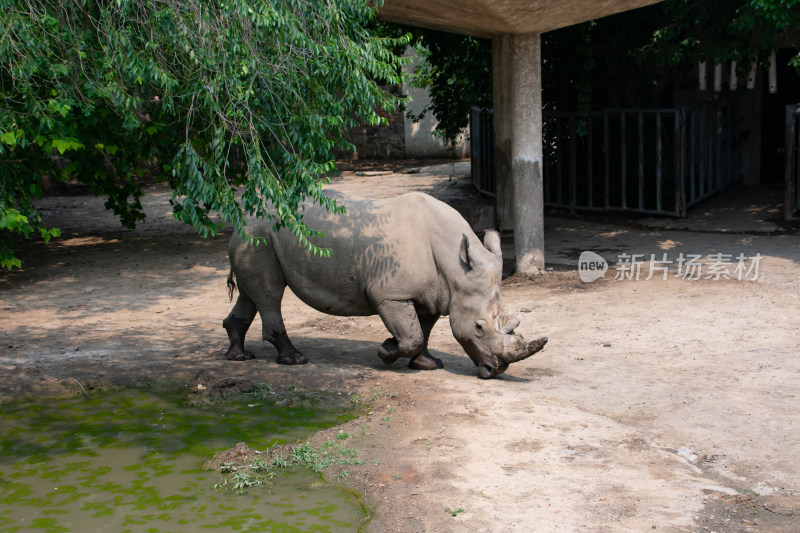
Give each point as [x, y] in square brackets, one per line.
[527, 351]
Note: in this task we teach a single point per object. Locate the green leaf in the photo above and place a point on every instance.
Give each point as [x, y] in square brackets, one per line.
[64, 145]
[9, 138]
[10, 262]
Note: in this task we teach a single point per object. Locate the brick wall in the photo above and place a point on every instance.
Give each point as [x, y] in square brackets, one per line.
[379, 142]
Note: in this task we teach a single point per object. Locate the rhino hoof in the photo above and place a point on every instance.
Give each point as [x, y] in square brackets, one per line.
[293, 359]
[236, 353]
[388, 351]
[425, 362]
[387, 359]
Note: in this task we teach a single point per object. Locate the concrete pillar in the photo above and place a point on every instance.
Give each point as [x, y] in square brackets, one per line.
[518, 148]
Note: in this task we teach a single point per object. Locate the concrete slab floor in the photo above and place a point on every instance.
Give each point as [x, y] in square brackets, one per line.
[743, 209]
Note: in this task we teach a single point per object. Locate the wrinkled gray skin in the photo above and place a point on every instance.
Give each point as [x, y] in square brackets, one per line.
[410, 259]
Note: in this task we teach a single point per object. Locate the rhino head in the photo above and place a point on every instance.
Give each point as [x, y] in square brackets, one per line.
[476, 313]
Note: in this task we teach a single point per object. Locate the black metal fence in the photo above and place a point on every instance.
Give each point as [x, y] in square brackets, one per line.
[792, 147]
[654, 161]
[709, 148]
[623, 160]
[481, 134]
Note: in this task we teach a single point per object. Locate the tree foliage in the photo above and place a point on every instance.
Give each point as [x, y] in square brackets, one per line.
[457, 71]
[181, 90]
[721, 31]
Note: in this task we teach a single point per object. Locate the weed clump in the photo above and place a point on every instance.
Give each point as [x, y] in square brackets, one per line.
[247, 468]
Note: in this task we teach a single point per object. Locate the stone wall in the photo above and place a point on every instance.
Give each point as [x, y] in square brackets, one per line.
[403, 137]
[420, 140]
[379, 142]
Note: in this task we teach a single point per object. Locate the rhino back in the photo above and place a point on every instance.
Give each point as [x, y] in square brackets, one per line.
[402, 248]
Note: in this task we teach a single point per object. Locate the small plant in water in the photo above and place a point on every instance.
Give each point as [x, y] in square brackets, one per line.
[318, 460]
[279, 462]
[356, 398]
[454, 512]
[242, 480]
[261, 391]
[259, 465]
[304, 454]
[322, 462]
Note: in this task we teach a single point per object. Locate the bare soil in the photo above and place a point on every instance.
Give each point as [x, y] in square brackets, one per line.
[667, 405]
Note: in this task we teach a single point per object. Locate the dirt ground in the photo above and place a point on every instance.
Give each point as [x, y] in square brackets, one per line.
[667, 405]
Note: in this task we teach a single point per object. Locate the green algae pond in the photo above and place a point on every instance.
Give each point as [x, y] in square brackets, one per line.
[131, 460]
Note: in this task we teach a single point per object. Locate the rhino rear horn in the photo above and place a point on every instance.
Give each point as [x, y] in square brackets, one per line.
[530, 349]
[506, 323]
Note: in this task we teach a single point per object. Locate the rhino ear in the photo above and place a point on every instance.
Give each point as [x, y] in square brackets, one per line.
[464, 254]
[491, 241]
[472, 260]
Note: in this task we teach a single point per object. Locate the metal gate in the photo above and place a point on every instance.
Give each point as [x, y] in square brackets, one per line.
[792, 147]
[481, 135]
[709, 156]
[652, 161]
[623, 160]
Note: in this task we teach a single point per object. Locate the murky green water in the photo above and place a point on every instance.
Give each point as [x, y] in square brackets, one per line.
[131, 461]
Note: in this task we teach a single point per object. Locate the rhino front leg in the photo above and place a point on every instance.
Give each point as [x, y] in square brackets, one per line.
[409, 335]
[401, 320]
[425, 361]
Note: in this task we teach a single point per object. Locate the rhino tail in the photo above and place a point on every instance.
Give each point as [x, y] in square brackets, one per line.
[231, 285]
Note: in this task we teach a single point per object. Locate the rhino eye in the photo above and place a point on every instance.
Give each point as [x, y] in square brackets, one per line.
[479, 328]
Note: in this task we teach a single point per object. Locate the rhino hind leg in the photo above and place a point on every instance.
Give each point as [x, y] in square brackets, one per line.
[261, 293]
[274, 331]
[287, 353]
[236, 324]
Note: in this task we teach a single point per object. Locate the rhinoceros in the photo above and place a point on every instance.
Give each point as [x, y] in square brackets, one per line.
[410, 259]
